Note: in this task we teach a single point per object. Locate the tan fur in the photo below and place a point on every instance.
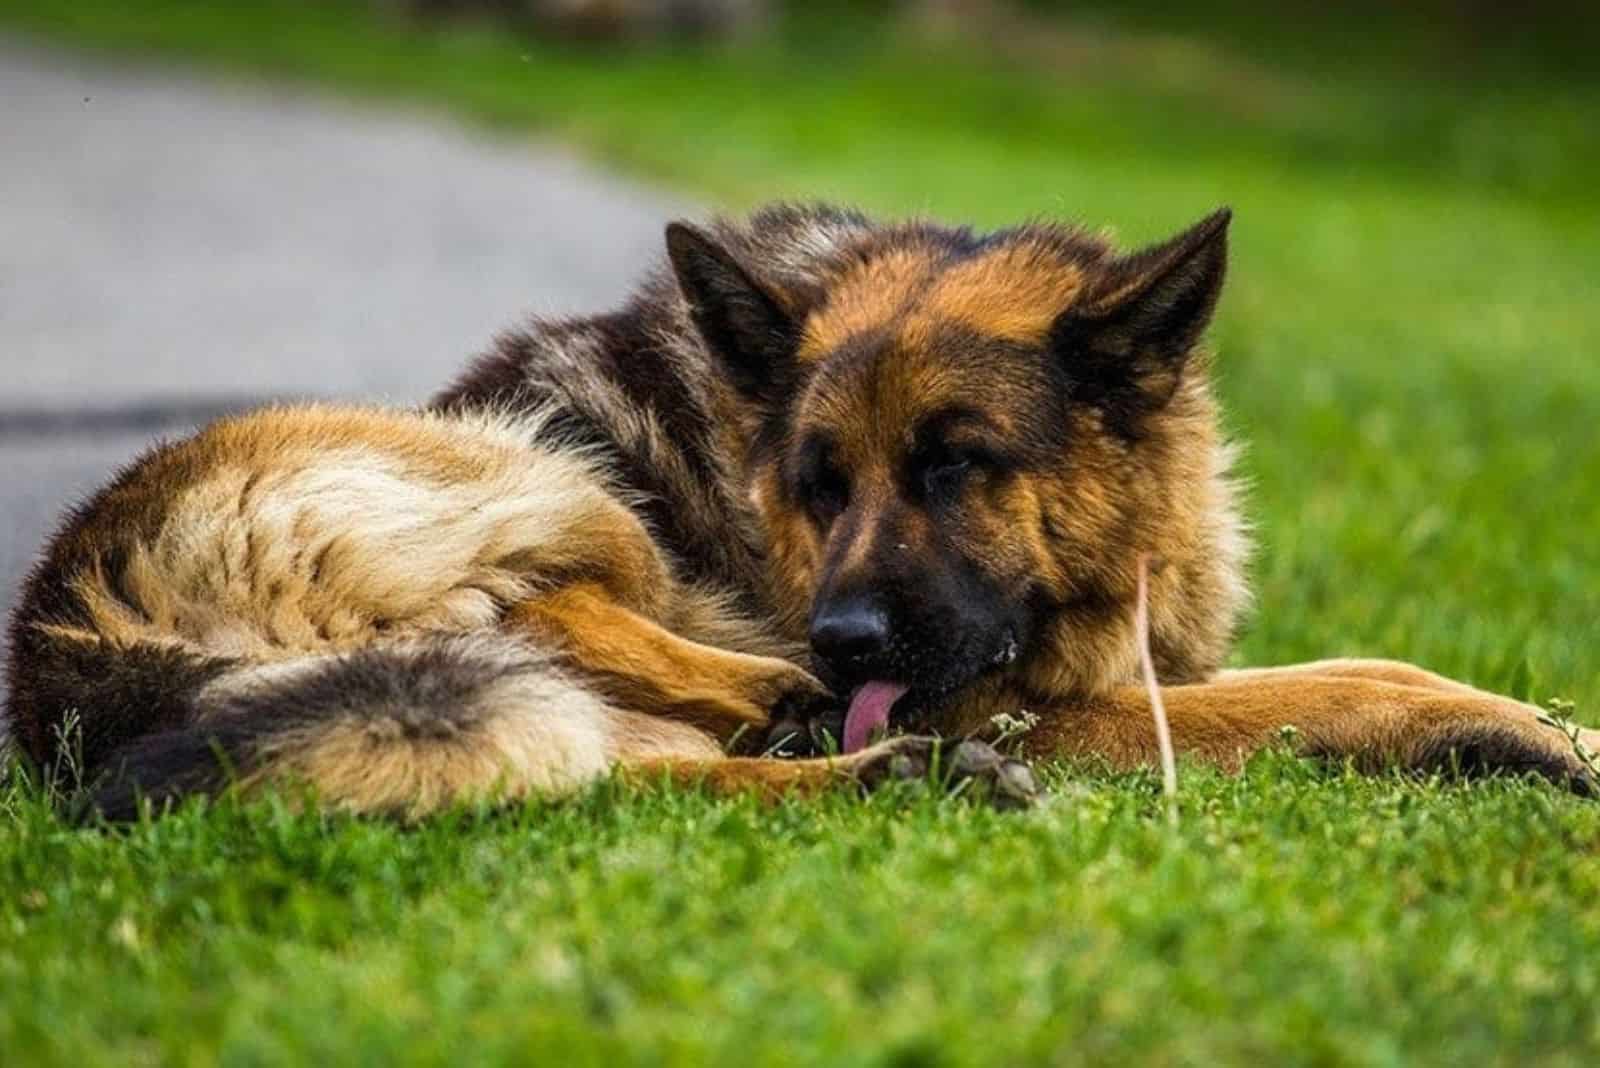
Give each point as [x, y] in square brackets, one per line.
[318, 529]
[1353, 710]
[873, 292]
[1035, 285]
[376, 768]
[1187, 517]
[640, 664]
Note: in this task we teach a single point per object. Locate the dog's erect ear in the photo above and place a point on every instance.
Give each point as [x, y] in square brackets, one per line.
[743, 324]
[1124, 344]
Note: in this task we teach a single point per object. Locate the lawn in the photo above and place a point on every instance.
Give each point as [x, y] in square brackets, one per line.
[1410, 344]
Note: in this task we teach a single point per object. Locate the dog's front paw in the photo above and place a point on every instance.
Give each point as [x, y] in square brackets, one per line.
[967, 767]
[778, 700]
[811, 730]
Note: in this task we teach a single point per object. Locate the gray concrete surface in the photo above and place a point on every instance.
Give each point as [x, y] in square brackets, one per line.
[172, 245]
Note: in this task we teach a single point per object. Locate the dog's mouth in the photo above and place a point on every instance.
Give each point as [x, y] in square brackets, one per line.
[872, 702]
[869, 710]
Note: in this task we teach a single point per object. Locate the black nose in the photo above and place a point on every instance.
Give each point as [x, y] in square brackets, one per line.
[848, 631]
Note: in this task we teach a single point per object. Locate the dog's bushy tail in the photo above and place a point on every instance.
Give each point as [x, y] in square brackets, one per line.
[401, 729]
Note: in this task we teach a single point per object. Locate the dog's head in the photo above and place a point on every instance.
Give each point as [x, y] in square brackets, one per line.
[959, 446]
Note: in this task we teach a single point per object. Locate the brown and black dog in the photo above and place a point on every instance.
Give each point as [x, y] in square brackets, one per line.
[920, 462]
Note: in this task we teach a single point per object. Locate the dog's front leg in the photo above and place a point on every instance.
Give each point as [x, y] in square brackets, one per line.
[640, 665]
[1374, 713]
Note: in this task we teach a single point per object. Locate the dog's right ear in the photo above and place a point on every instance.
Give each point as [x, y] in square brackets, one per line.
[744, 325]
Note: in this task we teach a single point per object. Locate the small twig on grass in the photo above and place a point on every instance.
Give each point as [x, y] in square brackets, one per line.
[1158, 708]
[1559, 716]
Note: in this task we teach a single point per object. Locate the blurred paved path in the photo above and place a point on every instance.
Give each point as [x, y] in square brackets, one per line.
[172, 245]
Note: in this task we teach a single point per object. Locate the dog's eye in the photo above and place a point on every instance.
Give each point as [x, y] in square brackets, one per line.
[822, 488]
[944, 478]
[827, 492]
[940, 473]
[818, 483]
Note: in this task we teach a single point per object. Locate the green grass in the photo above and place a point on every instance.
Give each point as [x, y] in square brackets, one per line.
[1410, 345]
[1296, 917]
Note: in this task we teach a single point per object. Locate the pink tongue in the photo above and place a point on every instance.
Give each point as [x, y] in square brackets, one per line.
[869, 712]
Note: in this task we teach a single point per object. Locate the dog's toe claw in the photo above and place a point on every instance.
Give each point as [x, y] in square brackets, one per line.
[813, 733]
[1006, 782]
[1014, 785]
[974, 758]
[970, 767]
[789, 738]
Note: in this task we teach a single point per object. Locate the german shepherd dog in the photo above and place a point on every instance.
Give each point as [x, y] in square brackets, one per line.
[906, 464]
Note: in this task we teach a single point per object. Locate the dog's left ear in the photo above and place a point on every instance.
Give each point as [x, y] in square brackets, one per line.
[743, 323]
[1124, 343]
